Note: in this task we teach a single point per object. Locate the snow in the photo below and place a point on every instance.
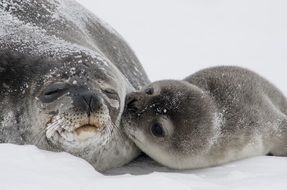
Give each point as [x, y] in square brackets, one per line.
[39, 39]
[26, 167]
[172, 38]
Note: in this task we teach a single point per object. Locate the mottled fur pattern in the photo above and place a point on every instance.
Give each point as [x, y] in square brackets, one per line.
[214, 116]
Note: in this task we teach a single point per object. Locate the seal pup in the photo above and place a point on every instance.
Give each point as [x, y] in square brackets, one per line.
[64, 75]
[214, 116]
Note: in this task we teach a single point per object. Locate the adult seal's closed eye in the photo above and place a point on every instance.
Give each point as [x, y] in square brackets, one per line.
[64, 75]
[214, 116]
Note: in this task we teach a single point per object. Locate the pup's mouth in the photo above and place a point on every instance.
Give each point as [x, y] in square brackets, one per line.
[131, 134]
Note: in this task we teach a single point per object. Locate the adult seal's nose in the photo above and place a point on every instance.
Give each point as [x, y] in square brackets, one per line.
[88, 102]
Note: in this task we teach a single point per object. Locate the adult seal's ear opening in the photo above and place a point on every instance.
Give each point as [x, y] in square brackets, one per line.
[64, 75]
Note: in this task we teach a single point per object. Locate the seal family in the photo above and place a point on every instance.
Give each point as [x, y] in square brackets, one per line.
[64, 75]
[214, 116]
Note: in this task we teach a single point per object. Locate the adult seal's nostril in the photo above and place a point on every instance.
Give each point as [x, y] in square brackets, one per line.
[90, 103]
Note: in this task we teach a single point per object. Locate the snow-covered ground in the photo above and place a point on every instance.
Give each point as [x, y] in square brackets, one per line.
[173, 38]
[28, 168]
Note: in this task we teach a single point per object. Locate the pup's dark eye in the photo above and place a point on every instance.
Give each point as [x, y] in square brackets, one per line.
[157, 130]
[54, 91]
[111, 93]
[149, 91]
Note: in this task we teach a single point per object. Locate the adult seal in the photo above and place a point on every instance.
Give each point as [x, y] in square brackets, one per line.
[64, 75]
[212, 117]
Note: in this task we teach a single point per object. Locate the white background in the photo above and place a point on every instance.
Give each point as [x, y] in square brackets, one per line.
[175, 38]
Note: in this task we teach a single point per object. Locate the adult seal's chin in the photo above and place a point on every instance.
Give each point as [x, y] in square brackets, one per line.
[102, 146]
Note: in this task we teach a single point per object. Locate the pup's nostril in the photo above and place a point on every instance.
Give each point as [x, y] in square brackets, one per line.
[131, 103]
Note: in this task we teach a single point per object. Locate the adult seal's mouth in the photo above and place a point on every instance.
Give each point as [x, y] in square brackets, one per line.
[87, 129]
[81, 133]
[78, 126]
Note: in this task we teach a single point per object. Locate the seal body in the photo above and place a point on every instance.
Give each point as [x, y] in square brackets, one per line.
[212, 117]
[64, 75]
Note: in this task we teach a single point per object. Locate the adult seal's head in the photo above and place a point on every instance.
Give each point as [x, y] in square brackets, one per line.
[64, 76]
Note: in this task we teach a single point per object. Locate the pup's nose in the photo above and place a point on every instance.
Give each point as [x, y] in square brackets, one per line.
[131, 101]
